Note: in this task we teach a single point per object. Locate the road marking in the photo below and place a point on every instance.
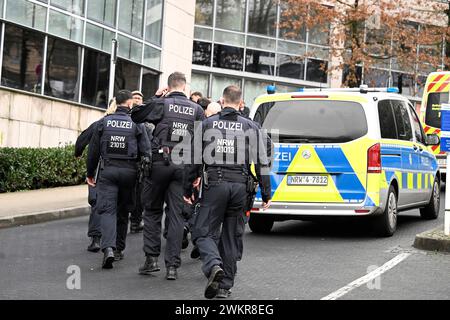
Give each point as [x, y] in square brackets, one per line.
[368, 277]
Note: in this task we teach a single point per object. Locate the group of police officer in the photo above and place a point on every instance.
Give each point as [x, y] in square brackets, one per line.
[186, 162]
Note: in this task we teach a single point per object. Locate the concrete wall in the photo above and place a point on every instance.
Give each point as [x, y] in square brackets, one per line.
[31, 121]
[178, 38]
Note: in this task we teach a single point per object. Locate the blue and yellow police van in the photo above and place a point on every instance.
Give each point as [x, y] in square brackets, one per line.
[346, 153]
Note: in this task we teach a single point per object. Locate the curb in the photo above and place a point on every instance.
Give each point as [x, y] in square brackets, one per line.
[43, 216]
[433, 240]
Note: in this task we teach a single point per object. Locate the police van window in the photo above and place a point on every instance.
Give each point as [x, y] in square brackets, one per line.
[387, 120]
[404, 129]
[313, 121]
[433, 111]
[417, 126]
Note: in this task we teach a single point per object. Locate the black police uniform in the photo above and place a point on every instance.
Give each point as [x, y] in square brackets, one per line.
[94, 229]
[224, 191]
[174, 117]
[117, 144]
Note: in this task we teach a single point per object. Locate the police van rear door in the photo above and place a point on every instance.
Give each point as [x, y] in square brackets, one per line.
[320, 149]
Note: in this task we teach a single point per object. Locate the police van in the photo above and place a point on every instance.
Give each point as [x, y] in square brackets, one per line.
[346, 153]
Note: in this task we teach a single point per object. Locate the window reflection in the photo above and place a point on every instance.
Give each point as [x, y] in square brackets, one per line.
[74, 6]
[102, 11]
[150, 83]
[262, 17]
[376, 78]
[230, 14]
[131, 15]
[127, 76]
[154, 21]
[228, 57]
[95, 79]
[201, 54]
[316, 70]
[291, 67]
[260, 62]
[204, 12]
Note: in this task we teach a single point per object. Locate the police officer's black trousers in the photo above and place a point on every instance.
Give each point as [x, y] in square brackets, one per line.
[164, 185]
[114, 201]
[94, 229]
[222, 205]
[136, 213]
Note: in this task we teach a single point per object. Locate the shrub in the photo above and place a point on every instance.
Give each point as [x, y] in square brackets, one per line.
[29, 168]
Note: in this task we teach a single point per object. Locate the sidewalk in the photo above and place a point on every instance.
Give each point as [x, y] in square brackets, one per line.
[29, 207]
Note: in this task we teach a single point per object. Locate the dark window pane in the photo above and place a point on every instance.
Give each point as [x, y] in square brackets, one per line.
[201, 54]
[405, 82]
[22, 59]
[228, 57]
[127, 76]
[262, 17]
[150, 83]
[433, 113]
[204, 12]
[316, 70]
[320, 121]
[416, 126]
[63, 68]
[387, 121]
[376, 78]
[347, 80]
[260, 62]
[402, 120]
[95, 79]
[291, 67]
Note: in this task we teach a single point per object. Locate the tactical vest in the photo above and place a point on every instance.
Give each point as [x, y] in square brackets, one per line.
[177, 123]
[230, 147]
[118, 140]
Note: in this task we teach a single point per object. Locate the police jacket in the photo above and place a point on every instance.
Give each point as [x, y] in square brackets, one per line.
[173, 116]
[230, 143]
[117, 138]
[84, 138]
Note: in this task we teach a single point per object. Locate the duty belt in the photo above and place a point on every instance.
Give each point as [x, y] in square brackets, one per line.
[215, 174]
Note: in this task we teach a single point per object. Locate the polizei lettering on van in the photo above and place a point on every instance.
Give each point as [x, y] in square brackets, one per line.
[226, 125]
[181, 109]
[119, 124]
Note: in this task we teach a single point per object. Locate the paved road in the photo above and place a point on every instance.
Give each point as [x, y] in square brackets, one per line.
[298, 260]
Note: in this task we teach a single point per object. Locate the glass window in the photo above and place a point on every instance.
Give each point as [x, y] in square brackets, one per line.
[229, 38]
[127, 77]
[74, 6]
[418, 133]
[27, 14]
[95, 79]
[150, 83]
[1, 8]
[22, 59]
[387, 121]
[433, 112]
[405, 82]
[347, 81]
[291, 67]
[260, 62]
[152, 57]
[204, 12]
[220, 83]
[102, 11]
[200, 82]
[319, 35]
[63, 68]
[228, 57]
[254, 89]
[65, 26]
[230, 15]
[130, 49]
[376, 78]
[316, 70]
[153, 25]
[402, 120]
[291, 47]
[290, 29]
[202, 53]
[314, 120]
[131, 16]
[203, 34]
[99, 38]
[262, 17]
[261, 43]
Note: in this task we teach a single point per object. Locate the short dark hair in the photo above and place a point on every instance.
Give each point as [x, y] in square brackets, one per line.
[123, 96]
[176, 80]
[197, 93]
[204, 103]
[232, 94]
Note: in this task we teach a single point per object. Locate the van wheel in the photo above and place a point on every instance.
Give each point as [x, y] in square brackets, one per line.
[431, 211]
[260, 223]
[386, 224]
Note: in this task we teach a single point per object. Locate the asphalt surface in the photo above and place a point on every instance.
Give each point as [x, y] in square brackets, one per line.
[298, 260]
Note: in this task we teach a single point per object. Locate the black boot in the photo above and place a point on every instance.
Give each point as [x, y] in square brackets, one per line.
[185, 242]
[212, 287]
[195, 253]
[150, 265]
[108, 258]
[136, 227]
[95, 245]
[172, 273]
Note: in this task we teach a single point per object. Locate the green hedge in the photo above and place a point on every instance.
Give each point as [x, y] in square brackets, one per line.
[28, 168]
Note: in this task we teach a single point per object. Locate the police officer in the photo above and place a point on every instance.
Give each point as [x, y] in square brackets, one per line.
[173, 115]
[116, 145]
[228, 145]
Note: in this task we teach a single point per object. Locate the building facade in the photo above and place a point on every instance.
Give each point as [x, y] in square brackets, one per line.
[55, 57]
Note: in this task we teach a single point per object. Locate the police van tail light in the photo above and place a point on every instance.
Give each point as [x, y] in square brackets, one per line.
[374, 159]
